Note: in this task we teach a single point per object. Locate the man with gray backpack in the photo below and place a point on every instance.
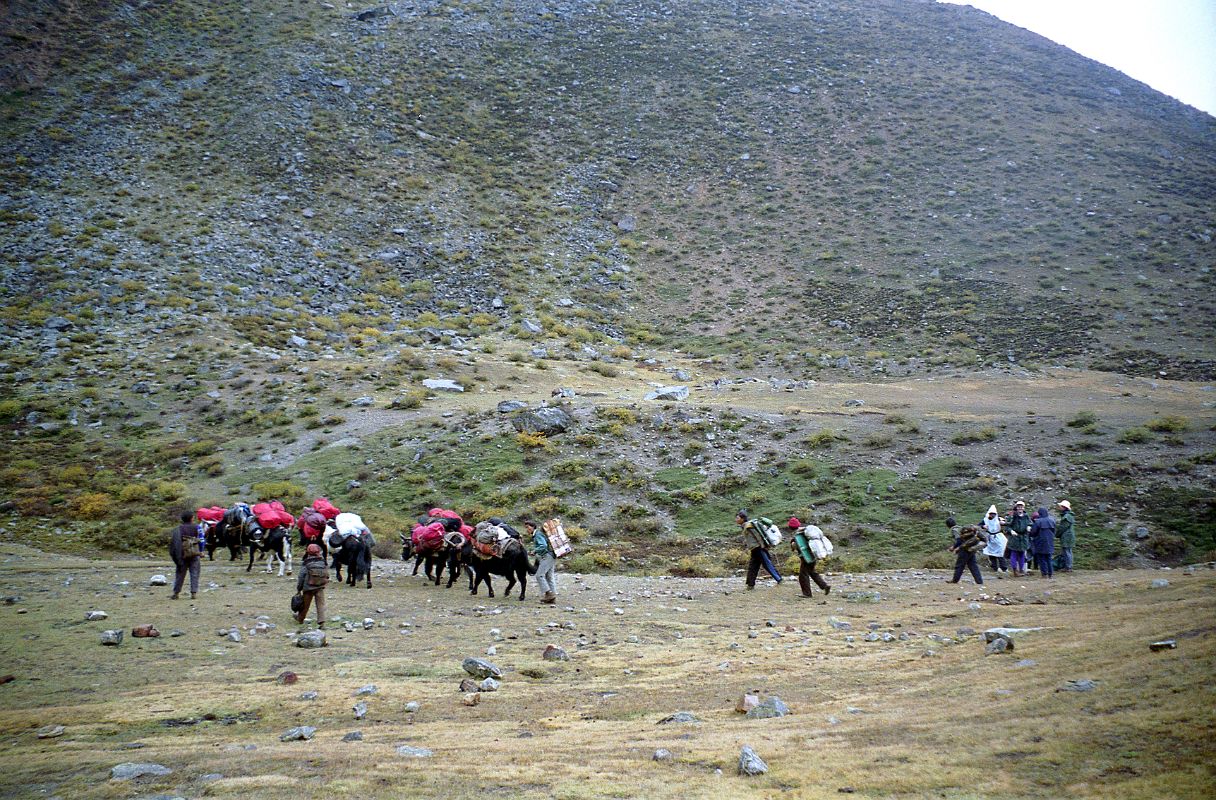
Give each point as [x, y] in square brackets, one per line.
[809, 545]
[759, 535]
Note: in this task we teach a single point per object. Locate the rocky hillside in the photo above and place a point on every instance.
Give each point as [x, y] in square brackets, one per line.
[224, 222]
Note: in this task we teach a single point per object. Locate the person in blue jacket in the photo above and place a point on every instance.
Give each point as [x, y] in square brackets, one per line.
[1043, 542]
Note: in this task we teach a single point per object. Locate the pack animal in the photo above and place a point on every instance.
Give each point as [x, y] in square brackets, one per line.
[276, 543]
[355, 553]
[513, 564]
[228, 531]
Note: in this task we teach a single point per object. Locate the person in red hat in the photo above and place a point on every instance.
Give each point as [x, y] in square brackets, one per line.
[801, 541]
[314, 574]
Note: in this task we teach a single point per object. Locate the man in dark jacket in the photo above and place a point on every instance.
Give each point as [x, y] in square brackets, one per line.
[186, 552]
[311, 584]
[757, 545]
[1042, 539]
[967, 542]
[1066, 531]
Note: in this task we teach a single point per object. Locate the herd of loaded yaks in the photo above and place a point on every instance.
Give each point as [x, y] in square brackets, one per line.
[440, 540]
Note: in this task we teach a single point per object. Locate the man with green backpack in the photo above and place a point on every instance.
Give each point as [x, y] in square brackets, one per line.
[758, 535]
[810, 545]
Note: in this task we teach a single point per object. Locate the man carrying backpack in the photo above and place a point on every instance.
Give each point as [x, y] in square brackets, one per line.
[755, 540]
[967, 542]
[311, 584]
[801, 542]
[186, 550]
[546, 563]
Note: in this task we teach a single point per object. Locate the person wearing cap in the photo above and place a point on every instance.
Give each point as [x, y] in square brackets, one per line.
[1067, 534]
[967, 542]
[1018, 525]
[754, 541]
[314, 574]
[800, 541]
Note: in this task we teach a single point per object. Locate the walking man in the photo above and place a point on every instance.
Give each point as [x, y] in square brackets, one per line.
[804, 539]
[967, 541]
[753, 539]
[186, 551]
[314, 574]
[546, 563]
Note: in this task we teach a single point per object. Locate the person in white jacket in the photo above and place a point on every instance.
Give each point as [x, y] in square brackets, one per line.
[995, 550]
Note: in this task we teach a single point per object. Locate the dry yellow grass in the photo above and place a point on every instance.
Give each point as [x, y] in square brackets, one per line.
[956, 724]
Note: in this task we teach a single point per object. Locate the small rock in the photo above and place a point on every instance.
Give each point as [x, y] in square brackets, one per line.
[353, 736]
[680, 717]
[471, 699]
[360, 710]
[750, 763]
[363, 402]
[1026, 662]
[489, 685]
[368, 623]
[158, 580]
[363, 691]
[662, 754]
[50, 731]
[507, 406]
[670, 393]
[301, 733]
[414, 752]
[531, 326]
[234, 635]
[311, 639]
[1083, 685]
[287, 678]
[1160, 583]
[111, 637]
[442, 385]
[309, 695]
[747, 702]
[1164, 644]
[554, 653]
[771, 707]
[412, 707]
[999, 645]
[469, 685]
[148, 631]
[129, 770]
[95, 616]
[480, 668]
[854, 403]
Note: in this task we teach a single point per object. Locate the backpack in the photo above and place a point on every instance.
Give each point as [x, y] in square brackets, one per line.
[559, 542]
[770, 532]
[817, 541]
[312, 524]
[316, 574]
[190, 547]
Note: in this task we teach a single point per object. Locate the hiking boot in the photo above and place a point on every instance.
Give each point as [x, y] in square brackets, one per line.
[194, 595]
[828, 590]
[550, 598]
[173, 596]
[320, 626]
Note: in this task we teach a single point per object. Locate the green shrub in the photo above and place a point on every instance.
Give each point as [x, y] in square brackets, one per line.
[974, 437]
[10, 410]
[1083, 419]
[91, 505]
[134, 493]
[1134, 436]
[290, 494]
[822, 439]
[1168, 424]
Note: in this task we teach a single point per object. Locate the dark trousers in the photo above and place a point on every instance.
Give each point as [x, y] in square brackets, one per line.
[997, 563]
[966, 560]
[759, 557]
[190, 565]
[1045, 568]
[806, 574]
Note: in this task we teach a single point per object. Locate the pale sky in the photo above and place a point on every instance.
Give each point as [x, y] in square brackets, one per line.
[1168, 44]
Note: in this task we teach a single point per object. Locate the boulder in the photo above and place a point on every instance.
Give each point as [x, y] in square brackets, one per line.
[772, 707]
[129, 770]
[310, 639]
[998, 645]
[508, 406]
[549, 421]
[680, 718]
[750, 763]
[50, 731]
[442, 385]
[111, 637]
[671, 393]
[747, 702]
[554, 653]
[1082, 685]
[353, 736]
[301, 733]
[663, 754]
[480, 668]
[158, 580]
